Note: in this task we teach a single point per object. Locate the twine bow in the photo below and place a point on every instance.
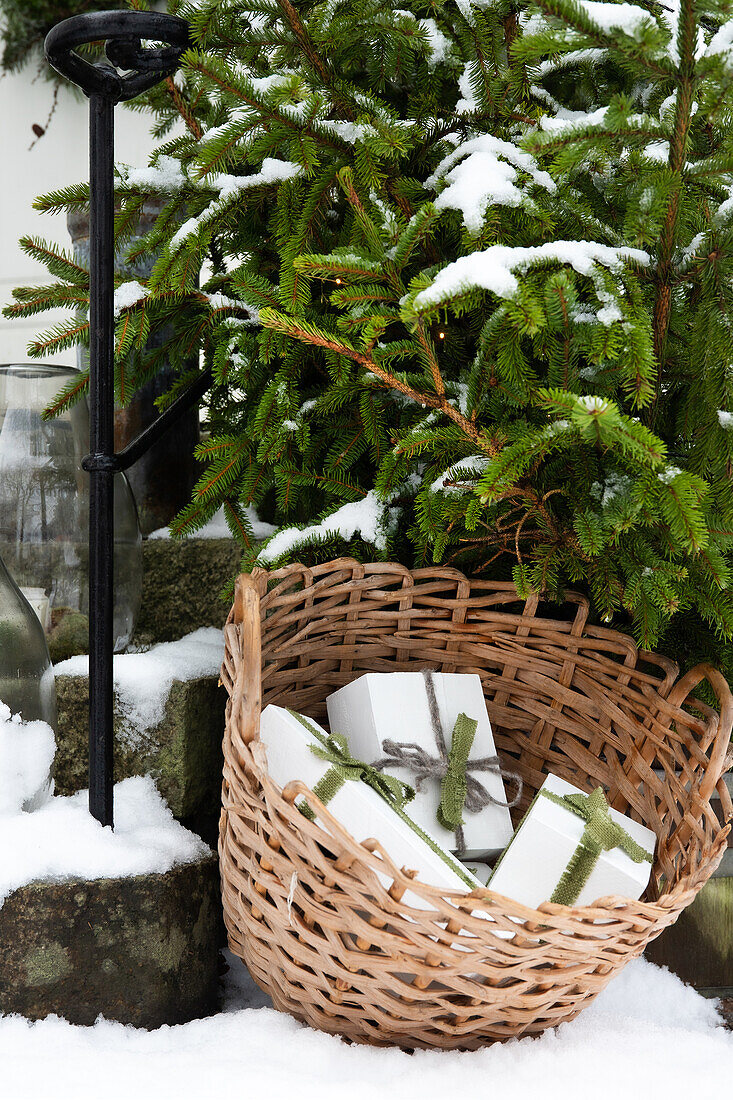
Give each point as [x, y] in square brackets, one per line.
[601, 834]
[334, 749]
[460, 788]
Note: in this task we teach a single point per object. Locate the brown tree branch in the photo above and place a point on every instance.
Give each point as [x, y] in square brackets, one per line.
[183, 108]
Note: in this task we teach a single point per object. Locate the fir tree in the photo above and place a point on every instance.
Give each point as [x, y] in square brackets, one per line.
[470, 290]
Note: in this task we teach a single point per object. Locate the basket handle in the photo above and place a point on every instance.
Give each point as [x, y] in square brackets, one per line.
[721, 756]
[247, 698]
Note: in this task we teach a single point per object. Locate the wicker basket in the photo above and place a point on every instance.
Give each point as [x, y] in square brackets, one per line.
[303, 904]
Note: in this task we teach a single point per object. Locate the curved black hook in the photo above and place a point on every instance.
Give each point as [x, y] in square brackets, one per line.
[124, 33]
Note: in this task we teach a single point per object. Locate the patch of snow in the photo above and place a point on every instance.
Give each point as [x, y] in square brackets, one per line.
[568, 120]
[129, 294]
[627, 1044]
[221, 301]
[725, 419]
[593, 403]
[609, 313]
[722, 41]
[460, 471]
[615, 486]
[669, 13]
[143, 680]
[725, 208]
[658, 151]
[694, 244]
[290, 425]
[27, 750]
[668, 474]
[61, 840]
[468, 102]
[494, 268]
[363, 517]
[165, 175]
[627, 18]
[438, 44]
[350, 132]
[217, 528]
[572, 57]
[482, 172]
[460, 401]
[229, 187]
[263, 84]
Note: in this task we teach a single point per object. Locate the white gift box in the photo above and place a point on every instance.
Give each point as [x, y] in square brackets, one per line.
[394, 706]
[357, 806]
[545, 842]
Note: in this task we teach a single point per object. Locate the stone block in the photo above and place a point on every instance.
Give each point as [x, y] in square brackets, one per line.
[182, 585]
[142, 950]
[183, 753]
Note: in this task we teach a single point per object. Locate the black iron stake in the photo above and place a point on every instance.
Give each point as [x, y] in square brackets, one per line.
[129, 69]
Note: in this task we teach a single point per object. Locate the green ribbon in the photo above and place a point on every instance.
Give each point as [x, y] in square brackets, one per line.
[601, 834]
[454, 787]
[334, 749]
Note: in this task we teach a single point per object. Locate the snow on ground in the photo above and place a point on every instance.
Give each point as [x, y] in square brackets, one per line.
[62, 840]
[646, 1036]
[143, 680]
[217, 528]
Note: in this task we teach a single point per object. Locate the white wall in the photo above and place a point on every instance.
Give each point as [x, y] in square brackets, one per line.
[58, 159]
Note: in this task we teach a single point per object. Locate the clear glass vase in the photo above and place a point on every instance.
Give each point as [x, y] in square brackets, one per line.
[44, 510]
[26, 676]
[27, 691]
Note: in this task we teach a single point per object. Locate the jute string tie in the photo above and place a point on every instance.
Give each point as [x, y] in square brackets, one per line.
[460, 788]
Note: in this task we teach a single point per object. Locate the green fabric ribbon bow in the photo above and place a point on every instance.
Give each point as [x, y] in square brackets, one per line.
[454, 787]
[601, 834]
[334, 749]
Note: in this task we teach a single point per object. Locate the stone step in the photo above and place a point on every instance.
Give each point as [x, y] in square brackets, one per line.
[183, 752]
[182, 586]
[142, 950]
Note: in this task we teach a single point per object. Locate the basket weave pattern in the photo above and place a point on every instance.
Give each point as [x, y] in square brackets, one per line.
[303, 903]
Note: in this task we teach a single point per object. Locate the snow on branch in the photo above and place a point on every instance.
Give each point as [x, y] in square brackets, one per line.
[165, 175]
[627, 18]
[364, 517]
[129, 294]
[482, 172]
[494, 269]
[229, 188]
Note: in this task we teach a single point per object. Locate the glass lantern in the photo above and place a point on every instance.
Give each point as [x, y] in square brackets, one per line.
[44, 509]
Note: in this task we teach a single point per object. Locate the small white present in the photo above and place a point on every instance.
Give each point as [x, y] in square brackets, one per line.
[571, 848]
[299, 749]
[432, 731]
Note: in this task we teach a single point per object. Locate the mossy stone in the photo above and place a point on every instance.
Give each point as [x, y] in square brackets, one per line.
[182, 586]
[142, 950]
[183, 753]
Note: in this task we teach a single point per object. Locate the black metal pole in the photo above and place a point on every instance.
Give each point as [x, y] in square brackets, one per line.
[102, 445]
[129, 69]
